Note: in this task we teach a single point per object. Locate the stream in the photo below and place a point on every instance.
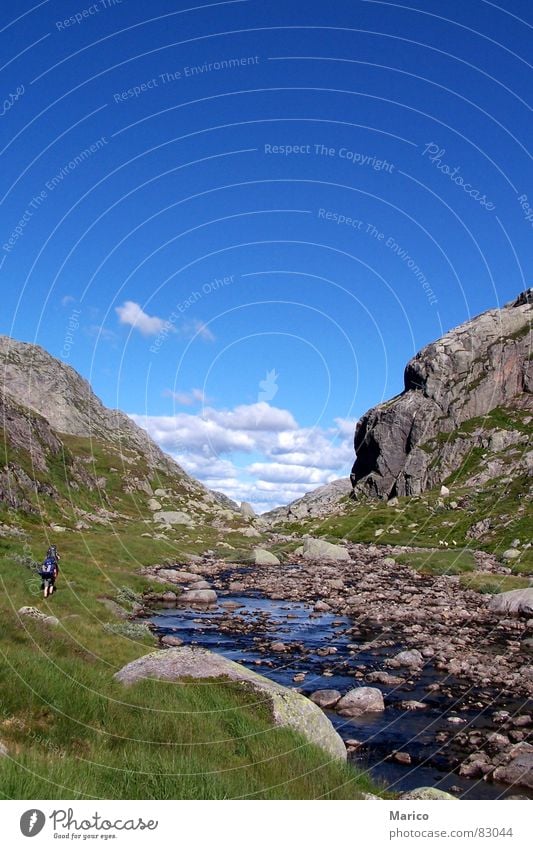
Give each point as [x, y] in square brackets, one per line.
[245, 632]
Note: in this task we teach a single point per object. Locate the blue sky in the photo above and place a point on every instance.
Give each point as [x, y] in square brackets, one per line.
[240, 220]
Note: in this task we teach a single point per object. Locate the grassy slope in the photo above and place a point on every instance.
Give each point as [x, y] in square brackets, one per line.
[73, 732]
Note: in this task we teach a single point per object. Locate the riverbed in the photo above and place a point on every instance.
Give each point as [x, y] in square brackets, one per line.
[322, 653]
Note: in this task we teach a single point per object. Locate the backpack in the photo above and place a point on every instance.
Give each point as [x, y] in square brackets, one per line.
[49, 566]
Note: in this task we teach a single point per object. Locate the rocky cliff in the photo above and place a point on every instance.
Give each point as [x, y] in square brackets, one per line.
[467, 395]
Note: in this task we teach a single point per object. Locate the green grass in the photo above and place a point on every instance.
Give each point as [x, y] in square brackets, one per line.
[74, 732]
[447, 562]
[486, 583]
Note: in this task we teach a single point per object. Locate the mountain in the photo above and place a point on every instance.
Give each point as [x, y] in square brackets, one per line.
[64, 454]
[466, 408]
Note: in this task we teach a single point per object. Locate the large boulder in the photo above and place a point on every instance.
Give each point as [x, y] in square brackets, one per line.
[428, 794]
[513, 602]
[361, 700]
[319, 549]
[265, 558]
[288, 707]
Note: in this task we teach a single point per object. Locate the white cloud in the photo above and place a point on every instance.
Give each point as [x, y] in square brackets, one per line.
[132, 314]
[287, 460]
[197, 328]
[187, 399]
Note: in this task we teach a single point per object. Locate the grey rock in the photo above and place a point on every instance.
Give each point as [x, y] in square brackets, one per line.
[265, 558]
[320, 549]
[173, 517]
[325, 698]
[410, 658]
[514, 602]
[247, 510]
[197, 597]
[288, 708]
[428, 794]
[361, 700]
[511, 554]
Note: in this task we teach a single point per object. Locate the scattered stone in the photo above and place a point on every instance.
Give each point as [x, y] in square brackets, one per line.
[402, 757]
[361, 700]
[444, 491]
[197, 597]
[325, 698]
[278, 646]
[413, 704]
[154, 505]
[321, 607]
[169, 640]
[511, 554]
[410, 658]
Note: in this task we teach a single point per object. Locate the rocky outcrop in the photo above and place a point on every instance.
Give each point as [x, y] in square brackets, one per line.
[288, 708]
[410, 443]
[319, 502]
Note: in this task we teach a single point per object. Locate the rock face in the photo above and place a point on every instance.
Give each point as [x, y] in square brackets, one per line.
[288, 708]
[412, 442]
[320, 549]
[514, 602]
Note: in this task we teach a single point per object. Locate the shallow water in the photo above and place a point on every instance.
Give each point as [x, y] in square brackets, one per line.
[270, 620]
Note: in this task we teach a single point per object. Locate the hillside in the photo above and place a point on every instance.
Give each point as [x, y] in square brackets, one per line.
[73, 463]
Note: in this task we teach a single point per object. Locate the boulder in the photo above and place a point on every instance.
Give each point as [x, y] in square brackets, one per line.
[153, 504]
[444, 491]
[34, 613]
[174, 576]
[511, 554]
[519, 770]
[197, 597]
[288, 708]
[410, 658]
[319, 549]
[251, 532]
[247, 510]
[428, 794]
[325, 698]
[513, 602]
[173, 517]
[361, 700]
[265, 558]
[3, 750]
[170, 640]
